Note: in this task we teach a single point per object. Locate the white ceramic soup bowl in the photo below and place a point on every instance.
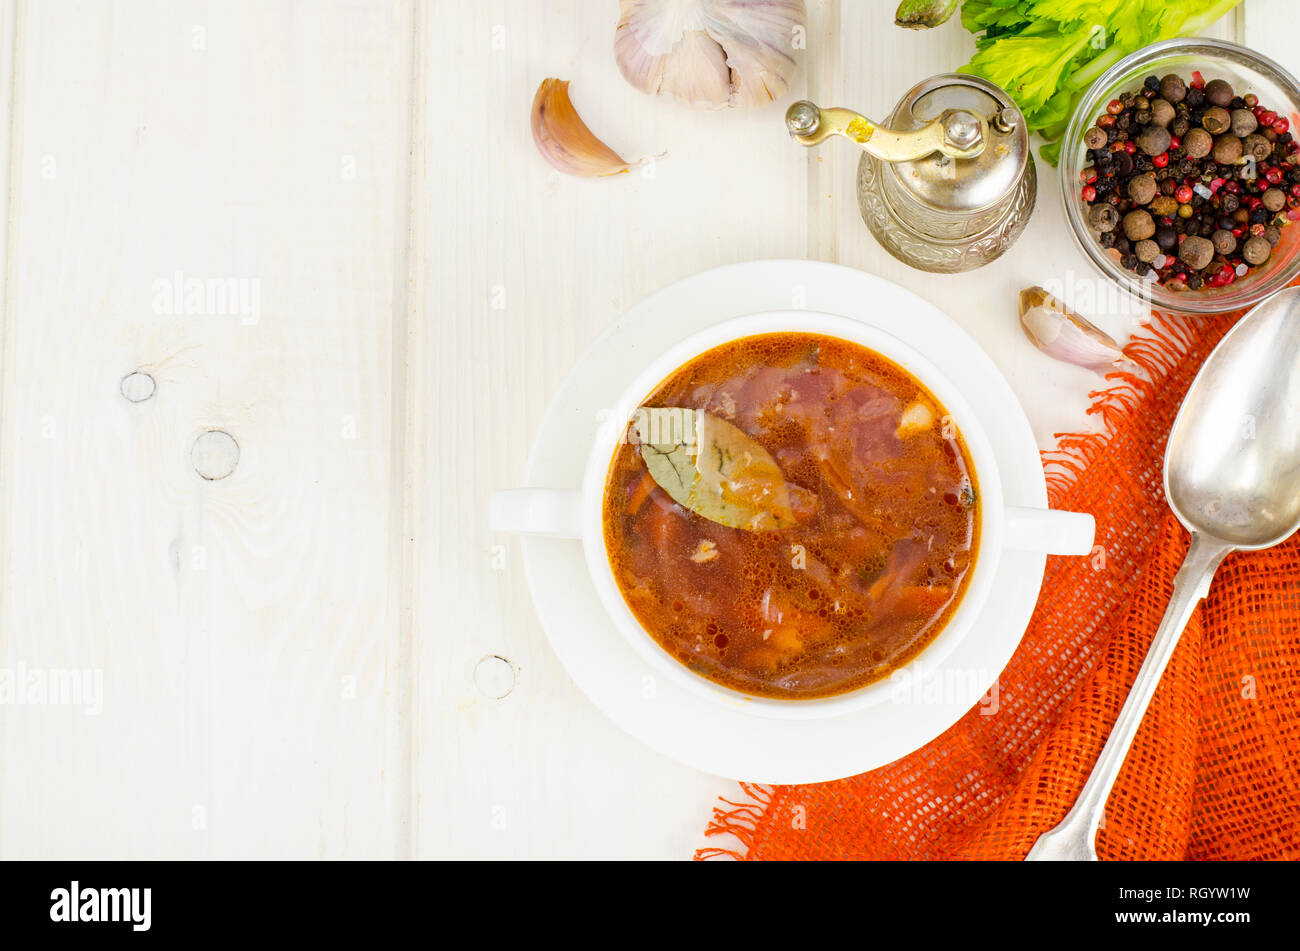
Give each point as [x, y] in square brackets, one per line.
[578, 513]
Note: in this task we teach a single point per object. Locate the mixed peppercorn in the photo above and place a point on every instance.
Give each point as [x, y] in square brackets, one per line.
[1189, 184]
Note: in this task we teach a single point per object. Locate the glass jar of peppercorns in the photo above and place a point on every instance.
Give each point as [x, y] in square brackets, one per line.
[1181, 175]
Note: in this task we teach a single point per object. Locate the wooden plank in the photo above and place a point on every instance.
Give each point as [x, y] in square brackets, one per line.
[527, 266]
[246, 629]
[1269, 27]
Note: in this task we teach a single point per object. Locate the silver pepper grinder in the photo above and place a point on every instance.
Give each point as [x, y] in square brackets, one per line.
[948, 182]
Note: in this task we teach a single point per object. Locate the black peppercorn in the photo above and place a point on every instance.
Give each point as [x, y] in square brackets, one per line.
[1173, 88]
[1152, 82]
[1194, 282]
[1219, 92]
[1256, 251]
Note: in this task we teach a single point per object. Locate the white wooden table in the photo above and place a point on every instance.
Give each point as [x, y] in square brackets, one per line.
[322, 228]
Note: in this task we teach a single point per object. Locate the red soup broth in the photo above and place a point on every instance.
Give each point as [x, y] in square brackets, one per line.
[885, 506]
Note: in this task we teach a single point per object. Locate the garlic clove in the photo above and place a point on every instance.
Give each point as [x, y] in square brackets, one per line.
[709, 53]
[696, 73]
[662, 49]
[758, 37]
[1063, 335]
[564, 139]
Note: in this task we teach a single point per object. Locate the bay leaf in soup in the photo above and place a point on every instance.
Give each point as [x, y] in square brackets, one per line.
[713, 468]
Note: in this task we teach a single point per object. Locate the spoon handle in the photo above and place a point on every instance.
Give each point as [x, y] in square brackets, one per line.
[1074, 838]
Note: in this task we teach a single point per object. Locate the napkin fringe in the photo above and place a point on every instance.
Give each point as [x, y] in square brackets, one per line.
[1153, 353]
[739, 820]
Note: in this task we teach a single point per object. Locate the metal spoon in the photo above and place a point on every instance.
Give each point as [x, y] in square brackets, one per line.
[1232, 476]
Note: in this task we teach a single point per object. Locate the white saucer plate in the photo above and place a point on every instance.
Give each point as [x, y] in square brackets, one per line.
[691, 729]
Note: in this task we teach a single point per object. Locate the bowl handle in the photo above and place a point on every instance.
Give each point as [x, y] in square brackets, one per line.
[553, 512]
[1049, 531]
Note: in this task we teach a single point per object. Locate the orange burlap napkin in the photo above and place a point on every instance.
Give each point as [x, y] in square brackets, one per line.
[1215, 770]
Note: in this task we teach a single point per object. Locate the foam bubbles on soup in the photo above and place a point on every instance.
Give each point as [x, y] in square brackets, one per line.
[885, 504]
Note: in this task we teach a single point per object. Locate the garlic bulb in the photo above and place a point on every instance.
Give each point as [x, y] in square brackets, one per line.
[710, 53]
[1063, 335]
[564, 139]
